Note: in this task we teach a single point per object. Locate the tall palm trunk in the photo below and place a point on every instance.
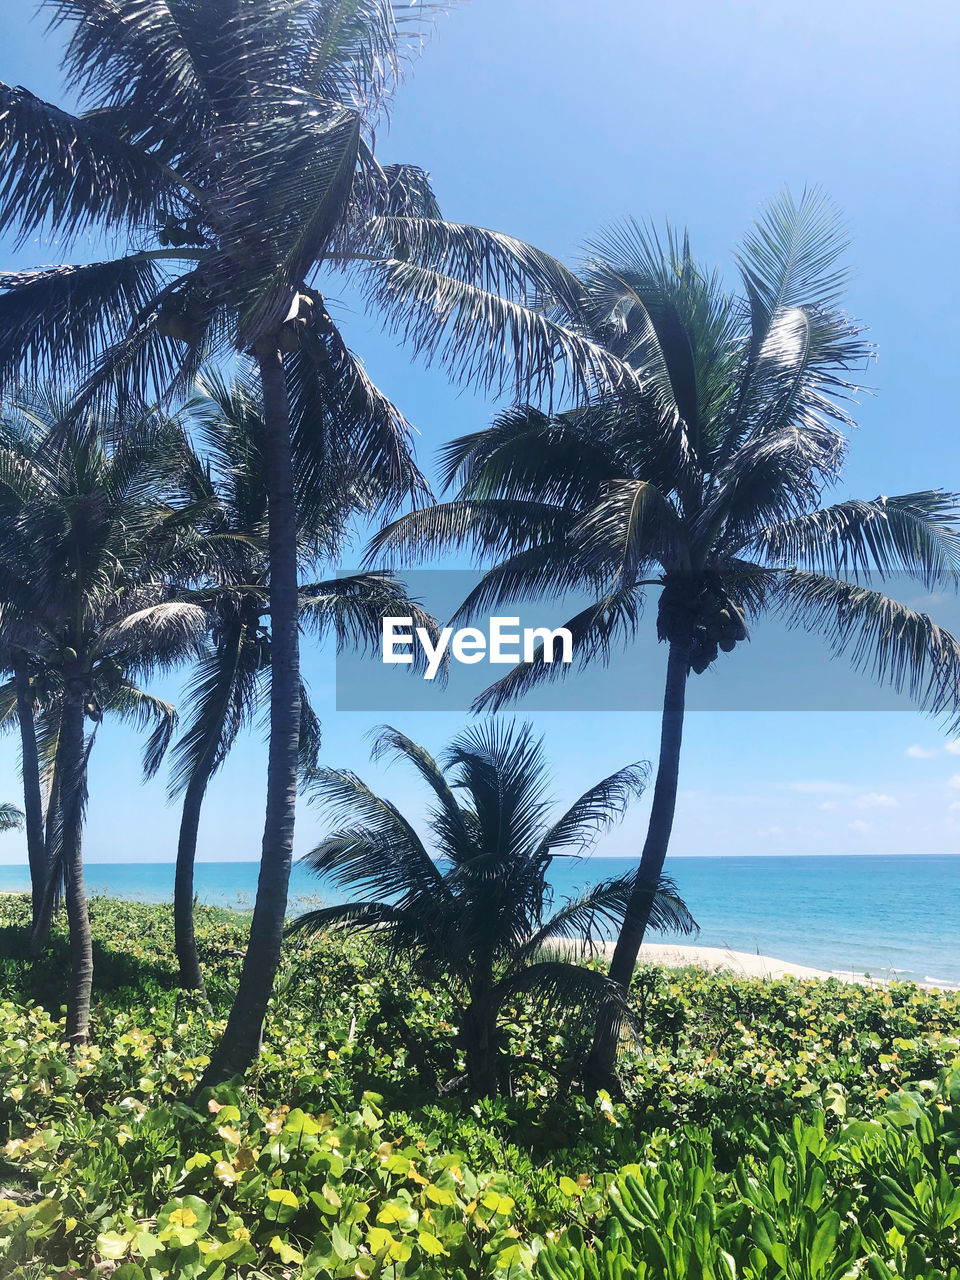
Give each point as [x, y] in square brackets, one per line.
[73, 762]
[600, 1070]
[241, 1038]
[185, 941]
[32, 797]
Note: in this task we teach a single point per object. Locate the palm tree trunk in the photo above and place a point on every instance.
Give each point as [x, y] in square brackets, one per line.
[32, 797]
[480, 1050]
[600, 1070]
[240, 1042]
[185, 941]
[53, 868]
[74, 782]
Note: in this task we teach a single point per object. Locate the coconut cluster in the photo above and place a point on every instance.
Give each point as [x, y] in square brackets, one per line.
[696, 609]
[184, 316]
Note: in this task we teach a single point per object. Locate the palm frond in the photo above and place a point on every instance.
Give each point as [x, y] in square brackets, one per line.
[171, 628]
[558, 984]
[886, 639]
[916, 534]
[528, 454]
[447, 819]
[354, 606]
[594, 631]
[670, 319]
[311, 738]
[502, 769]
[350, 441]
[490, 341]
[65, 173]
[151, 61]
[145, 711]
[11, 818]
[384, 856]
[630, 528]
[58, 319]
[486, 260]
[496, 526]
[350, 915]
[596, 811]
[226, 687]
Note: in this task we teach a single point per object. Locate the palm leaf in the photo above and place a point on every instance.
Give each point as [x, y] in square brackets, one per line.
[594, 631]
[11, 818]
[64, 172]
[917, 534]
[596, 811]
[384, 856]
[890, 641]
[58, 319]
[490, 341]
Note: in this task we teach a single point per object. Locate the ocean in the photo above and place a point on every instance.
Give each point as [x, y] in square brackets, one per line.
[889, 916]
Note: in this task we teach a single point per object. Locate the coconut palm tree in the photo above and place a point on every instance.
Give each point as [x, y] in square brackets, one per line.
[475, 905]
[229, 145]
[704, 484]
[230, 683]
[90, 548]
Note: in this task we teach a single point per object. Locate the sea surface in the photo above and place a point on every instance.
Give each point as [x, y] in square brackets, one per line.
[890, 916]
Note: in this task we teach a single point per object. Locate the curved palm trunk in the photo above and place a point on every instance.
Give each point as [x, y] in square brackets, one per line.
[600, 1070]
[32, 799]
[73, 763]
[240, 1042]
[185, 941]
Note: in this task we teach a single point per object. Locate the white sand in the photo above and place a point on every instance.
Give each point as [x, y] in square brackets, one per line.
[744, 963]
[716, 958]
[711, 958]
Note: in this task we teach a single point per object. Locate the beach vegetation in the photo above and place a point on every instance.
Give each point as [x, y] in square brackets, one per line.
[770, 1130]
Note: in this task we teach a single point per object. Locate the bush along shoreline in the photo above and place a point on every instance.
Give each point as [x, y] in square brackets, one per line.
[768, 1129]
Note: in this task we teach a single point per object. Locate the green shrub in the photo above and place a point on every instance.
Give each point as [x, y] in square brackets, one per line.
[775, 1127]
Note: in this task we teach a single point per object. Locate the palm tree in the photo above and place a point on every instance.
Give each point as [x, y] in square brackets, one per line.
[231, 680]
[704, 482]
[90, 548]
[475, 908]
[230, 143]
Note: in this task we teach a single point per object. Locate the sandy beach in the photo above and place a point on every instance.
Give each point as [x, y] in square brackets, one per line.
[745, 963]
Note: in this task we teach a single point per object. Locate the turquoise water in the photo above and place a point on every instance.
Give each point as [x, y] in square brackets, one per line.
[889, 916]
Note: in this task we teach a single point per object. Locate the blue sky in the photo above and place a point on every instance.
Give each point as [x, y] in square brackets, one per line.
[548, 120]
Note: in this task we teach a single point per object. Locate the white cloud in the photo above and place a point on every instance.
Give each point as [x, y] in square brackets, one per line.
[953, 747]
[916, 752]
[954, 782]
[954, 806]
[877, 800]
[830, 804]
[820, 786]
[860, 827]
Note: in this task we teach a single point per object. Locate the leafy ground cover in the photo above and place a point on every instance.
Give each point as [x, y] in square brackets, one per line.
[768, 1129]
